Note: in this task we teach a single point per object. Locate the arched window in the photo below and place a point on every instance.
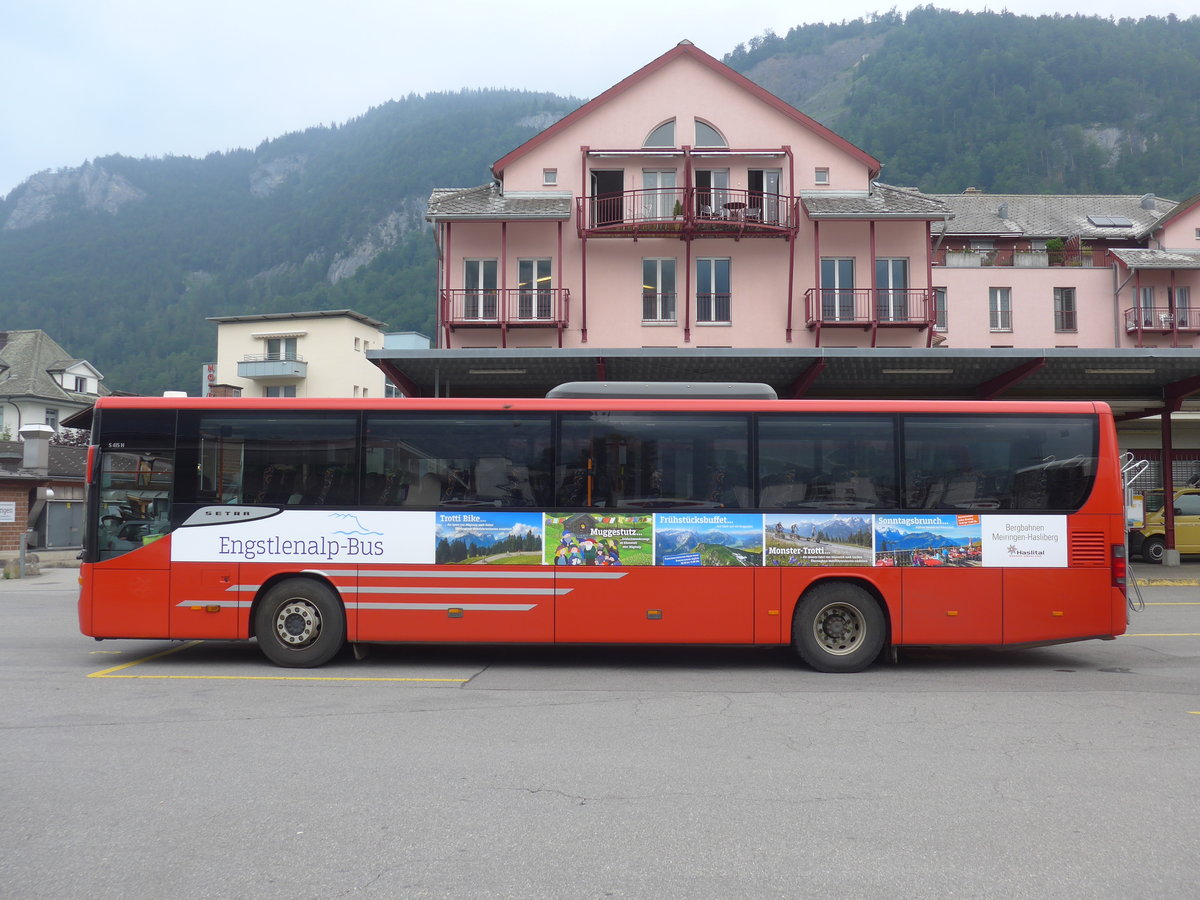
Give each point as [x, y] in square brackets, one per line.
[707, 136]
[662, 136]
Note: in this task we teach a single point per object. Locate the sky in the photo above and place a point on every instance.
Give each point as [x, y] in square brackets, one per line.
[81, 79]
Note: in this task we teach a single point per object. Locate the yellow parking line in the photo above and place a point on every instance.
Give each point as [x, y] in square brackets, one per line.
[1165, 634]
[280, 678]
[1174, 603]
[108, 673]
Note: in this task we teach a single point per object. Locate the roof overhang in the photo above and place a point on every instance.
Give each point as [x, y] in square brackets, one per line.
[1134, 382]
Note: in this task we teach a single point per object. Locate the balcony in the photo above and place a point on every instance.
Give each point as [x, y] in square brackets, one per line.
[505, 309]
[1161, 320]
[688, 212]
[273, 366]
[868, 309]
[1008, 257]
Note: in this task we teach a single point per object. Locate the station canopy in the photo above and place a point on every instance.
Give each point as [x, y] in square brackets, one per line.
[1134, 382]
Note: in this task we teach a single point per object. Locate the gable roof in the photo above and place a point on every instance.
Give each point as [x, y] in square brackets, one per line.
[27, 359]
[1183, 206]
[690, 51]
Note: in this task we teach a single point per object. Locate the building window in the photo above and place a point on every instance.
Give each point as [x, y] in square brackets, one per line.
[1000, 309]
[534, 295]
[713, 291]
[821, 176]
[1181, 308]
[891, 290]
[712, 192]
[480, 297]
[837, 289]
[357, 344]
[940, 321]
[52, 418]
[658, 290]
[660, 197]
[1064, 309]
[550, 177]
[1144, 298]
[662, 136]
[707, 136]
[81, 384]
[279, 390]
[391, 391]
[281, 349]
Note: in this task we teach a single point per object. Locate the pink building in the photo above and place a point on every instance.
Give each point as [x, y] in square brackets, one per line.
[686, 207]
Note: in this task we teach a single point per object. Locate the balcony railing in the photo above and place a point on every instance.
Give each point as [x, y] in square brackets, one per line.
[272, 365]
[1088, 258]
[510, 308]
[1161, 319]
[697, 212]
[865, 307]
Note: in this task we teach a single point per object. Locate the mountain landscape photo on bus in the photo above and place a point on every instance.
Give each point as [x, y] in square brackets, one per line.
[491, 538]
[823, 539]
[928, 541]
[708, 539]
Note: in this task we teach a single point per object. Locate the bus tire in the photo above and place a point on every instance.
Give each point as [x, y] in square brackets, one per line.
[300, 623]
[1153, 550]
[838, 627]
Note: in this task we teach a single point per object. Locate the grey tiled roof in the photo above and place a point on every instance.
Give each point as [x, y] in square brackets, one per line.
[30, 357]
[1050, 215]
[488, 202]
[883, 202]
[1159, 259]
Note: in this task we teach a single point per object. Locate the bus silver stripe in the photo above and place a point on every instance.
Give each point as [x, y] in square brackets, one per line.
[364, 605]
[347, 589]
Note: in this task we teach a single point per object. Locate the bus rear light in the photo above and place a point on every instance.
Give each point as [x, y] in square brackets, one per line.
[1120, 566]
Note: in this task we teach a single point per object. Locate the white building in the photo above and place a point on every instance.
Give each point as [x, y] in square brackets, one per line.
[321, 353]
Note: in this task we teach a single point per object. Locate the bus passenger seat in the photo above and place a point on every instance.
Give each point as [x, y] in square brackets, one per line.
[426, 492]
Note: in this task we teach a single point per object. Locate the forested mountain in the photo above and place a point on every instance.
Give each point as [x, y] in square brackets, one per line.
[1005, 103]
[122, 260]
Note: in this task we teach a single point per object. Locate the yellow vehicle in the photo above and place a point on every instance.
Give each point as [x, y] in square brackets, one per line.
[1150, 541]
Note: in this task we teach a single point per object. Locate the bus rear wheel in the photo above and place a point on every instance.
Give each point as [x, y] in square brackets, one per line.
[300, 623]
[838, 628]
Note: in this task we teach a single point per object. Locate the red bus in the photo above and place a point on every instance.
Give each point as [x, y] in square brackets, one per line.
[598, 515]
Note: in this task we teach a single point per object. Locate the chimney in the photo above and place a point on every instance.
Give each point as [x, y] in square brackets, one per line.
[1002, 212]
[972, 190]
[1148, 201]
[37, 448]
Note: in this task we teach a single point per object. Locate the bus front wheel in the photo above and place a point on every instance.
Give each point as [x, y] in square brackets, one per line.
[300, 623]
[838, 627]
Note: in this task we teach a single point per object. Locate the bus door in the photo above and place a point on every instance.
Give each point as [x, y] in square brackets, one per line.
[126, 589]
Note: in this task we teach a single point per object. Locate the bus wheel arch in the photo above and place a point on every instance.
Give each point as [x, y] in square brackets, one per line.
[840, 625]
[299, 620]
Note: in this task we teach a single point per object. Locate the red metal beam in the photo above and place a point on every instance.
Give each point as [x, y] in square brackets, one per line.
[989, 390]
[803, 382]
[398, 378]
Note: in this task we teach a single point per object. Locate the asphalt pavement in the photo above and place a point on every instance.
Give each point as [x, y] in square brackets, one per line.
[198, 770]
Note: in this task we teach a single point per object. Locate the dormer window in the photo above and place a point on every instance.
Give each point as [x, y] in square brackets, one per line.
[707, 136]
[662, 136]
